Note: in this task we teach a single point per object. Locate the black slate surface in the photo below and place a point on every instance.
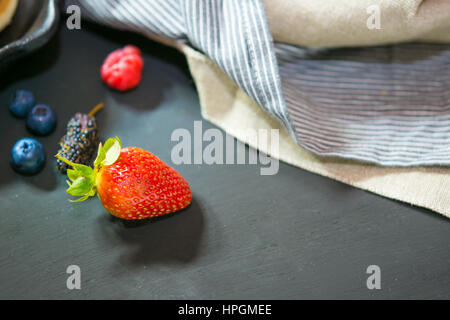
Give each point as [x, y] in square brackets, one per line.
[288, 236]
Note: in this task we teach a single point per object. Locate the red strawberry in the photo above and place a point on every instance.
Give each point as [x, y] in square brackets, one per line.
[131, 183]
[122, 69]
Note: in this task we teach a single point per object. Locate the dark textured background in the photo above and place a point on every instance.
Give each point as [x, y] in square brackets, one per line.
[293, 235]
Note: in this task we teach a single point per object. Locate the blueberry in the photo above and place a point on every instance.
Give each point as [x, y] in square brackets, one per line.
[21, 103]
[27, 156]
[41, 120]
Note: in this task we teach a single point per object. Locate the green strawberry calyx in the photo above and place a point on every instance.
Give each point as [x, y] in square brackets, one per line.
[82, 179]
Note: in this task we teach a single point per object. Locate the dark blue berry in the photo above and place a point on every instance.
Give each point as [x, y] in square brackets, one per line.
[21, 103]
[41, 120]
[27, 156]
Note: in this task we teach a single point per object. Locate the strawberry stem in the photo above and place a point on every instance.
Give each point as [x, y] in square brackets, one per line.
[96, 109]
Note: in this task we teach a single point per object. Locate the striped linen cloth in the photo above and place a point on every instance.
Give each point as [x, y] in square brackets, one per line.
[388, 105]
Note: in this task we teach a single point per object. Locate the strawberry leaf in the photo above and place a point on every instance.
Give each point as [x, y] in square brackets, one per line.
[83, 171]
[112, 151]
[83, 178]
[100, 155]
[80, 199]
[72, 174]
[80, 187]
[108, 153]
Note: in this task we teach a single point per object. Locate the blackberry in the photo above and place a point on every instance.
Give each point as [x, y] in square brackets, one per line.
[81, 139]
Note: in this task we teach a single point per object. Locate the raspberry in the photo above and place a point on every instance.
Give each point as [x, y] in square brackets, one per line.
[122, 69]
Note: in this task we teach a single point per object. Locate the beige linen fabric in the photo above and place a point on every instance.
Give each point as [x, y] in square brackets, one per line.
[227, 106]
[336, 23]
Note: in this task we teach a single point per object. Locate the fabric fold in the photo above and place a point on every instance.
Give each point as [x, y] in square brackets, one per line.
[331, 23]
